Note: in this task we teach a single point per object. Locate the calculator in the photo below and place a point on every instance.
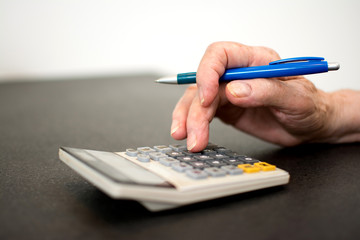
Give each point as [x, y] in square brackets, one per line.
[162, 177]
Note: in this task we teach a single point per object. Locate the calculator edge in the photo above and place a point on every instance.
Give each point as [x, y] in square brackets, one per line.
[160, 195]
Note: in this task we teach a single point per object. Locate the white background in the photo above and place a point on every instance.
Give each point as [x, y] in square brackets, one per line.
[42, 39]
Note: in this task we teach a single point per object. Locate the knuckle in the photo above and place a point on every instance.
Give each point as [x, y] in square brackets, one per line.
[309, 86]
[306, 88]
[272, 55]
[306, 94]
[215, 45]
[191, 88]
[195, 116]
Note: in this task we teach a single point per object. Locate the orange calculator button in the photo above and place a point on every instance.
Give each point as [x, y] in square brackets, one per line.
[248, 168]
[265, 166]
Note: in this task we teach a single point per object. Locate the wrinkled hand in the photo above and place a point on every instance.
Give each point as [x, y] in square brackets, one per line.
[285, 111]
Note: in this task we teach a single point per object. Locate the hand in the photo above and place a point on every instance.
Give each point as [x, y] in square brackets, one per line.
[285, 111]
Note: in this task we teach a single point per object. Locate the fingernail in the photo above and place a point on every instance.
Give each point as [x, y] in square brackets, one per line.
[173, 130]
[191, 142]
[201, 96]
[175, 126]
[239, 89]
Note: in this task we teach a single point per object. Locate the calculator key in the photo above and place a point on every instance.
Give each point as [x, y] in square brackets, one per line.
[196, 174]
[143, 157]
[209, 152]
[233, 161]
[203, 157]
[220, 156]
[163, 148]
[131, 152]
[157, 155]
[222, 150]
[234, 154]
[186, 159]
[232, 170]
[145, 150]
[175, 154]
[211, 146]
[248, 160]
[215, 172]
[168, 161]
[216, 163]
[265, 166]
[199, 164]
[181, 167]
[188, 153]
[248, 168]
[178, 147]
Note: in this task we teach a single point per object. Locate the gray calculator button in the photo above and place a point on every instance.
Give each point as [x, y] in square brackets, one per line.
[192, 154]
[175, 154]
[168, 161]
[199, 164]
[209, 152]
[131, 152]
[181, 167]
[196, 174]
[156, 155]
[143, 157]
[162, 148]
[249, 160]
[222, 150]
[232, 170]
[186, 159]
[215, 172]
[234, 161]
[216, 163]
[203, 157]
[220, 156]
[234, 154]
[211, 146]
[145, 150]
[178, 147]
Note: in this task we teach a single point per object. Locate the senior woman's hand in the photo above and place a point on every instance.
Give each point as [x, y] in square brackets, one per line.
[285, 111]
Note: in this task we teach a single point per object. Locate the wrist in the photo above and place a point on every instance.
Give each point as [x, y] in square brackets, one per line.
[343, 117]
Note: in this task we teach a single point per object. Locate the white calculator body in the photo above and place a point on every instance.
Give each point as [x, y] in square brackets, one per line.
[168, 176]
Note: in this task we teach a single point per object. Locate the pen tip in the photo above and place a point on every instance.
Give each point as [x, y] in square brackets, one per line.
[333, 66]
[170, 80]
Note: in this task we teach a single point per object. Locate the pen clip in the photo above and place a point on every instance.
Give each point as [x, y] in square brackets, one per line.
[298, 59]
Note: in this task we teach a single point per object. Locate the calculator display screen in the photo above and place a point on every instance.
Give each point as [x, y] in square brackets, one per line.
[117, 168]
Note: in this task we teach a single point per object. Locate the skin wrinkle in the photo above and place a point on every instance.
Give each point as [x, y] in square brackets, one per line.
[340, 133]
[290, 121]
[292, 118]
[312, 106]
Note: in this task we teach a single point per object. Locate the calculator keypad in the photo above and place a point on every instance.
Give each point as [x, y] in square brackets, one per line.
[213, 162]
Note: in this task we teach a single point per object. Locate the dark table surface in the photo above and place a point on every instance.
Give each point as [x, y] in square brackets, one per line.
[42, 198]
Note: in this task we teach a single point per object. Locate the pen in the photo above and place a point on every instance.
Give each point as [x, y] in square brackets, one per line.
[280, 68]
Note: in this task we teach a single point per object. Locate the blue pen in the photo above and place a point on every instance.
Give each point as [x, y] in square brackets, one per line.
[280, 68]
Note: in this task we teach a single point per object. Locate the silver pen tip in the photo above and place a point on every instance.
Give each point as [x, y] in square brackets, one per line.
[168, 79]
[333, 66]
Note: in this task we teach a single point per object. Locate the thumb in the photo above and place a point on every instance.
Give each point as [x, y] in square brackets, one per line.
[268, 93]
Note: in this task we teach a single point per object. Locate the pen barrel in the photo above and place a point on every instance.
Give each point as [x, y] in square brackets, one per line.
[276, 70]
[186, 78]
